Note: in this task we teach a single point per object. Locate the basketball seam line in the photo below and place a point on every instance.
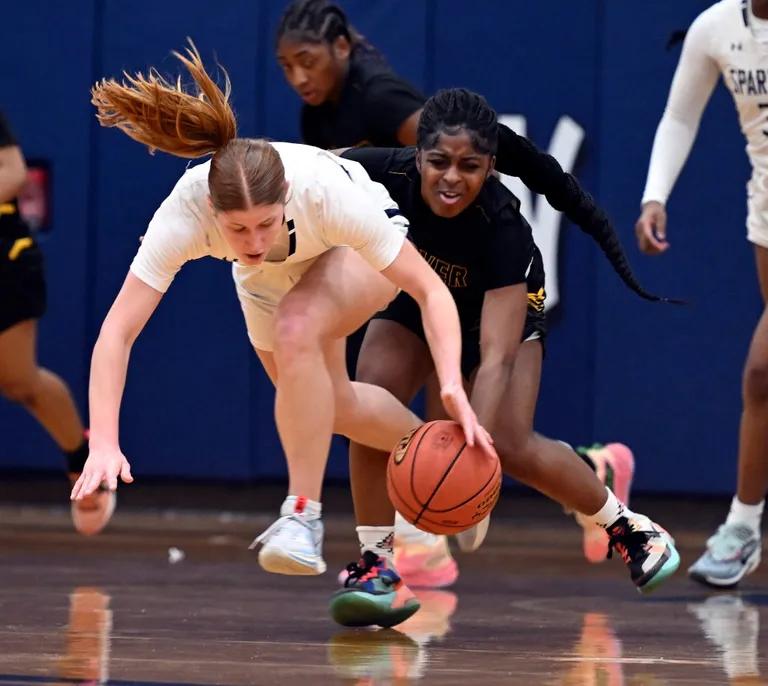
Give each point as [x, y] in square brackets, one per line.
[440, 483]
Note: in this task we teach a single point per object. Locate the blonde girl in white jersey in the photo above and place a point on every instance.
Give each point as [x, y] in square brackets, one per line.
[730, 39]
[283, 213]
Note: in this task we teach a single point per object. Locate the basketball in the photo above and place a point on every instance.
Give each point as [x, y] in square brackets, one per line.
[439, 483]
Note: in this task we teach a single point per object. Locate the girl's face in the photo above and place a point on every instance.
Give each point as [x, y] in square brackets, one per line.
[251, 233]
[316, 71]
[452, 174]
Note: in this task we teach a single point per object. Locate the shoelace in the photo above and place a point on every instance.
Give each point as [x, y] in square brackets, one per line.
[366, 569]
[273, 528]
[628, 541]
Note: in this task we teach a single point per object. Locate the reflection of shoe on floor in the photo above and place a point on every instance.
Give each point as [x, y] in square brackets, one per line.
[646, 548]
[375, 657]
[732, 553]
[373, 595]
[614, 465]
[600, 651]
[91, 514]
[423, 560]
[734, 627]
[88, 637]
[433, 621]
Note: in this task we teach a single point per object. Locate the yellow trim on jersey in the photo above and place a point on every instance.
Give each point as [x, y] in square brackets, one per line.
[536, 300]
[7, 208]
[18, 246]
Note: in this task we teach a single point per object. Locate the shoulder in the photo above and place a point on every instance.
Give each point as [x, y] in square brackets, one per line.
[713, 20]
[382, 162]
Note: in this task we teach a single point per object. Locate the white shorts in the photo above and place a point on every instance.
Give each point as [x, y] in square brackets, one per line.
[757, 210]
[260, 290]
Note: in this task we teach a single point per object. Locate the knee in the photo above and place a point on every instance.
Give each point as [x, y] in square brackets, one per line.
[756, 381]
[20, 391]
[296, 333]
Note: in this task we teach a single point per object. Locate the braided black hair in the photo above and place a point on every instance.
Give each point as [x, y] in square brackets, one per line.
[320, 21]
[542, 173]
[454, 109]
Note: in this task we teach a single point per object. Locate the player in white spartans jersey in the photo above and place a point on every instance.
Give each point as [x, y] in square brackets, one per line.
[319, 248]
[730, 39]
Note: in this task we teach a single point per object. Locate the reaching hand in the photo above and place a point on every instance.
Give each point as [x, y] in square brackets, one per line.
[457, 405]
[651, 229]
[102, 466]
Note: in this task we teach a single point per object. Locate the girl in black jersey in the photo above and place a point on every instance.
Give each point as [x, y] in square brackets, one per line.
[467, 225]
[22, 302]
[351, 96]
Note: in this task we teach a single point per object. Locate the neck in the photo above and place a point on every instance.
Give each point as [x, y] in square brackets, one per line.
[760, 8]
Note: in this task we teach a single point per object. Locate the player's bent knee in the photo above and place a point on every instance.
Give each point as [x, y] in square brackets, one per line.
[23, 392]
[756, 381]
[295, 333]
[518, 456]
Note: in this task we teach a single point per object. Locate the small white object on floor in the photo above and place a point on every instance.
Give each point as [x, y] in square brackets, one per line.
[175, 555]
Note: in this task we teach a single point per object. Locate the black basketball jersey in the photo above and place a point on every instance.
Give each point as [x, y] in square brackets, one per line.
[373, 105]
[11, 224]
[489, 245]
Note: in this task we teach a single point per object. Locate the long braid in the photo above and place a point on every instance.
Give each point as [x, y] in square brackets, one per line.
[542, 173]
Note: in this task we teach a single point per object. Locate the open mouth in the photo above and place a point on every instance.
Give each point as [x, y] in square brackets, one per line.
[254, 256]
[449, 197]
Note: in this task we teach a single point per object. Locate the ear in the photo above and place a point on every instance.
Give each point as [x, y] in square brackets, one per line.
[341, 48]
[491, 166]
[286, 188]
[418, 160]
[210, 204]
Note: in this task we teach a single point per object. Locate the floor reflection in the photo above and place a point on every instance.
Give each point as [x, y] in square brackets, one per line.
[393, 656]
[732, 625]
[86, 660]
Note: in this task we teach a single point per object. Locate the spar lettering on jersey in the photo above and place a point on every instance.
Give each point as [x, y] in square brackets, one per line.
[748, 81]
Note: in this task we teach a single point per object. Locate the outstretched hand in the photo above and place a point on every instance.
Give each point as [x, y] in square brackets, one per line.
[457, 405]
[102, 467]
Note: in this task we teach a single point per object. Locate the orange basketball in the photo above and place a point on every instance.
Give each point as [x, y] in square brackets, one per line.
[440, 484]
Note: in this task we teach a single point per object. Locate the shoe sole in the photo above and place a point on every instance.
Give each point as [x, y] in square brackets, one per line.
[83, 521]
[666, 570]
[730, 582]
[480, 531]
[356, 609]
[424, 579]
[277, 562]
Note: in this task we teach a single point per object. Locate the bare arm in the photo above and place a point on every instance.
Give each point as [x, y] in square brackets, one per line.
[501, 327]
[440, 318]
[128, 315]
[406, 134]
[13, 172]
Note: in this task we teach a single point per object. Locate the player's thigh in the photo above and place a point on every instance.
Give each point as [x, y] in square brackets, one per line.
[393, 357]
[335, 296]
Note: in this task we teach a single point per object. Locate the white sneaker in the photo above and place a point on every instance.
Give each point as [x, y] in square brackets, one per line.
[292, 545]
[471, 539]
[91, 514]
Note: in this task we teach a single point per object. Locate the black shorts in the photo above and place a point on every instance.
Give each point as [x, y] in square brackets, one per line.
[22, 281]
[404, 310]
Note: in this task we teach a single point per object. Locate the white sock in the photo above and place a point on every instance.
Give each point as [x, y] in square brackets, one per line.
[407, 533]
[377, 539]
[748, 515]
[298, 504]
[610, 512]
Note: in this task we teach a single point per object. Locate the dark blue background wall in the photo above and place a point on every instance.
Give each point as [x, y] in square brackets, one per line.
[665, 380]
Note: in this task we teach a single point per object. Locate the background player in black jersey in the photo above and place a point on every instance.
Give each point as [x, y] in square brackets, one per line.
[353, 98]
[22, 302]
[351, 95]
[467, 225]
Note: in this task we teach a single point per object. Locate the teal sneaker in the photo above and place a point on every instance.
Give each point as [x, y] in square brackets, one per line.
[373, 595]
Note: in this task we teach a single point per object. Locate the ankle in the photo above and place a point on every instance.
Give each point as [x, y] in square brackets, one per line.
[299, 504]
